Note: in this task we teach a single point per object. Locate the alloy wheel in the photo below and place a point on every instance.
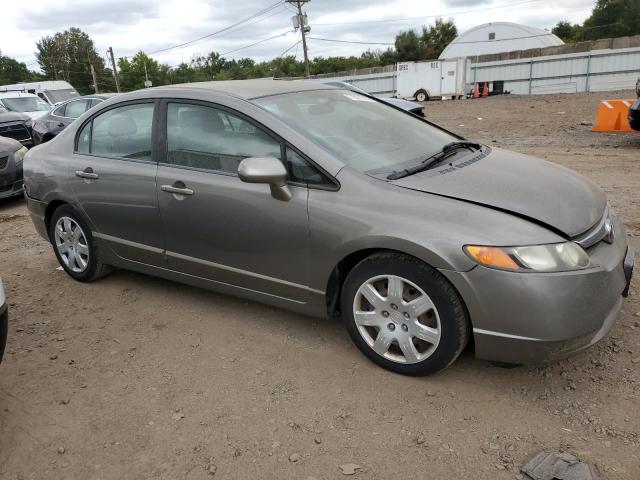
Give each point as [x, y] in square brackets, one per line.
[397, 319]
[71, 244]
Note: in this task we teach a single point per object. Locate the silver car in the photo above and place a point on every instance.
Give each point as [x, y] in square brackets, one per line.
[324, 201]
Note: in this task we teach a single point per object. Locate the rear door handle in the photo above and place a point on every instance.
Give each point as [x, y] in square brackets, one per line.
[177, 188]
[61, 124]
[87, 173]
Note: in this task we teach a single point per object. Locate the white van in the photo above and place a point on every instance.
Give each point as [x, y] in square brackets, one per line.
[51, 91]
[27, 103]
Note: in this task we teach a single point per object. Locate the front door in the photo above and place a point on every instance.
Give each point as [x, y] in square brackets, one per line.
[113, 175]
[218, 227]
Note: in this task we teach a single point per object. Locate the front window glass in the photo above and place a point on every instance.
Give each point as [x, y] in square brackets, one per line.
[124, 132]
[363, 133]
[26, 104]
[63, 95]
[75, 109]
[213, 139]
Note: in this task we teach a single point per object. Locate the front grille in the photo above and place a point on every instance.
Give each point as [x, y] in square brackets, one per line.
[17, 131]
[6, 188]
[3, 162]
[603, 230]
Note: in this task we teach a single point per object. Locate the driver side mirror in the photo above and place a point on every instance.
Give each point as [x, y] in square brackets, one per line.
[268, 170]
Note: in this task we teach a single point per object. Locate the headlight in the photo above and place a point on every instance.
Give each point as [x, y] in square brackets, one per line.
[18, 157]
[557, 257]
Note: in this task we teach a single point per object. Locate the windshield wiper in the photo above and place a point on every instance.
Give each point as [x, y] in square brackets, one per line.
[433, 159]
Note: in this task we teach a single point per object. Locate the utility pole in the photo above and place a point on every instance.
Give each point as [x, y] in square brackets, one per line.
[304, 29]
[95, 80]
[115, 71]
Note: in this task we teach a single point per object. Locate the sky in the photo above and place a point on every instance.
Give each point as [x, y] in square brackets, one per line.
[155, 25]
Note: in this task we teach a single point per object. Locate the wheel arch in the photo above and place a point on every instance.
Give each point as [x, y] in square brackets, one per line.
[52, 206]
[350, 259]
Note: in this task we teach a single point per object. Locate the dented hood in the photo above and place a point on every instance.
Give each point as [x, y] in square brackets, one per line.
[520, 184]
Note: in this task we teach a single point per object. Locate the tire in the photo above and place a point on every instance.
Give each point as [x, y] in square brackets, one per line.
[87, 265]
[426, 306]
[421, 95]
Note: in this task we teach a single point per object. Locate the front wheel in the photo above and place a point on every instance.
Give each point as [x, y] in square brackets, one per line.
[403, 314]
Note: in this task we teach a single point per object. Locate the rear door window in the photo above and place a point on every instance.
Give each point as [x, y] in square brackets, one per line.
[76, 108]
[122, 132]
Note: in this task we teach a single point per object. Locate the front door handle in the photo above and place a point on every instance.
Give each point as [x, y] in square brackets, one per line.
[177, 188]
[87, 173]
[61, 124]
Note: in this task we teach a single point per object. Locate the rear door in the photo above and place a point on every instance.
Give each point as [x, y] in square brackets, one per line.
[113, 175]
[218, 227]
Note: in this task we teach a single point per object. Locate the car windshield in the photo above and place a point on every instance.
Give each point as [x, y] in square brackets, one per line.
[365, 134]
[56, 96]
[25, 104]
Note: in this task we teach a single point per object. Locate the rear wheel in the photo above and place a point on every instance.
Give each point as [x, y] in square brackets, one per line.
[74, 246]
[403, 314]
[421, 95]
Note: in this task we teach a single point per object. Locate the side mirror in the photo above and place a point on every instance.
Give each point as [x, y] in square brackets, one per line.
[266, 170]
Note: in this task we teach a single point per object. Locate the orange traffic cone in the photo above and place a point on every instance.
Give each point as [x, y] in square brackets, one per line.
[485, 90]
[476, 91]
[612, 116]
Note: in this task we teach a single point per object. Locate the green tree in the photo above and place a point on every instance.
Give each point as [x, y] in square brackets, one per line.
[612, 18]
[408, 46]
[12, 71]
[68, 55]
[566, 31]
[436, 37]
[132, 72]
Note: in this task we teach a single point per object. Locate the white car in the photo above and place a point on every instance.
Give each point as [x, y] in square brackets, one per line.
[27, 103]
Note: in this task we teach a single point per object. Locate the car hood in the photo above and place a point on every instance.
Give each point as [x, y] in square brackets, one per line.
[404, 104]
[519, 184]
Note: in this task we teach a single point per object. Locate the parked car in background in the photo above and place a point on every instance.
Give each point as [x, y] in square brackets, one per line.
[51, 91]
[12, 154]
[406, 105]
[4, 321]
[27, 103]
[634, 110]
[16, 125]
[53, 122]
[327, 202]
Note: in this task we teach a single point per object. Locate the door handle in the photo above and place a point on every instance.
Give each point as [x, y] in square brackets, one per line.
[177, 188]
[87, 173]
[61, 124]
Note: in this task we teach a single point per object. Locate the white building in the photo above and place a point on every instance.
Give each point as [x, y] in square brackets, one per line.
[498, 37]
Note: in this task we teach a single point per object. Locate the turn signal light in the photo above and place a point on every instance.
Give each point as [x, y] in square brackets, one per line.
[491, 257]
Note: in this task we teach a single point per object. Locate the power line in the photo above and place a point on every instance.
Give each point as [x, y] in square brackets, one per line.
[256, 43]
[290, 48]
[408, 19]
[190, 42]
[348, 41]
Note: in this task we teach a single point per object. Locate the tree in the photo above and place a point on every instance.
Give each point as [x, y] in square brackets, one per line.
[436, 37]
[612, 18]
[132, 72]
[566, 31]
[408, 46]
[12, 71]
[68, 55]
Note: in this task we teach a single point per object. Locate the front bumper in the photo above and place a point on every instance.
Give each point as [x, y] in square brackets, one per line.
[538, 317]
[4, 322]
[37, 212]
[11, 179]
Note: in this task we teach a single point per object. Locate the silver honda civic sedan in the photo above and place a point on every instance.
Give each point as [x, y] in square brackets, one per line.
[329, 202]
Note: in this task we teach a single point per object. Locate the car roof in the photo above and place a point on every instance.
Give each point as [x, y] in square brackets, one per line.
[248, 89]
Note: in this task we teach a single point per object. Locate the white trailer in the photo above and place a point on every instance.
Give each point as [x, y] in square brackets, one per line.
[433, 79]
[51, 91]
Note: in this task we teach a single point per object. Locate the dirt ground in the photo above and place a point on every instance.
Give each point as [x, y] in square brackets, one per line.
[134, 377]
